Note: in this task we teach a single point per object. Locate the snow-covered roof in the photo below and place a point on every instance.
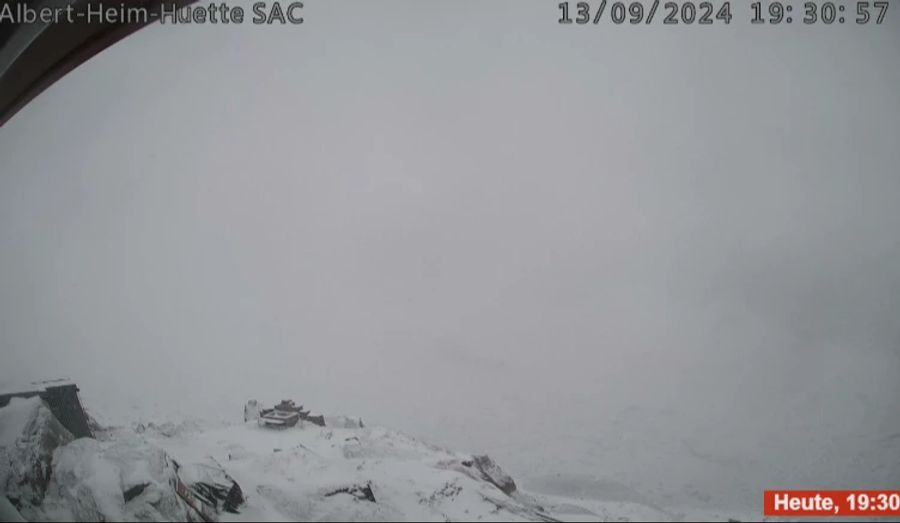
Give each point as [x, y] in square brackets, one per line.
[15, 387]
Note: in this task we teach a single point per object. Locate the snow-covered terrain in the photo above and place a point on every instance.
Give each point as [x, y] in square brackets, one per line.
[344, 471]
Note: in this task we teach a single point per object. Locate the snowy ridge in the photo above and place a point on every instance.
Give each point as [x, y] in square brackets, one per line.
[346, 472]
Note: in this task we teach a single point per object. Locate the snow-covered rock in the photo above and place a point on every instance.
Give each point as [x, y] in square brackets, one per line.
[315, 473]
[483, 468]
[127, 479]
[29, 435]
[251, 411]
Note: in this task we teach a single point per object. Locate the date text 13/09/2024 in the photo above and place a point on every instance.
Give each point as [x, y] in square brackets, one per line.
[708, 13]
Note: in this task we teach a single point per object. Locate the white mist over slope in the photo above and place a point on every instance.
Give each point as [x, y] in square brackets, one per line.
[654, 263]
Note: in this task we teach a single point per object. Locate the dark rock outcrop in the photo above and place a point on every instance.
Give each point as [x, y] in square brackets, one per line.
[483, 468]
[360, 492]
[492, 473]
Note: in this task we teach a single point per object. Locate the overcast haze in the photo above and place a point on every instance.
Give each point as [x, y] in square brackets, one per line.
[655, 262]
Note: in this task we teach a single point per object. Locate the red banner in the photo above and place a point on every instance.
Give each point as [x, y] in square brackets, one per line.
[820, 503]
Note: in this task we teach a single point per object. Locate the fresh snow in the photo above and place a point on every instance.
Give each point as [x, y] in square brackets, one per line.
[15, 417]
[302, 473]
[290, 474]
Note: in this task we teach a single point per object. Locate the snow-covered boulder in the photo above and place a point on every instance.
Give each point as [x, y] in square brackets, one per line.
[251, 411]
[29, 435]
[122, 480]
[484, 468]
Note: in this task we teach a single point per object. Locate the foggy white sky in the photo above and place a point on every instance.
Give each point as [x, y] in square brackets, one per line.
[660, 256]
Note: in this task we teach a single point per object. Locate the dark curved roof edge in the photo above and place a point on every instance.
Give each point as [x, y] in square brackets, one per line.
[34, 55]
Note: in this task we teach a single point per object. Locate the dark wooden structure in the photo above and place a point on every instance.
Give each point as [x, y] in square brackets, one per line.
[287, 414]
[63, 402]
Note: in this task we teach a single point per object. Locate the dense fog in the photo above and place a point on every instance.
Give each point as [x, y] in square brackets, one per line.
[647, 263]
